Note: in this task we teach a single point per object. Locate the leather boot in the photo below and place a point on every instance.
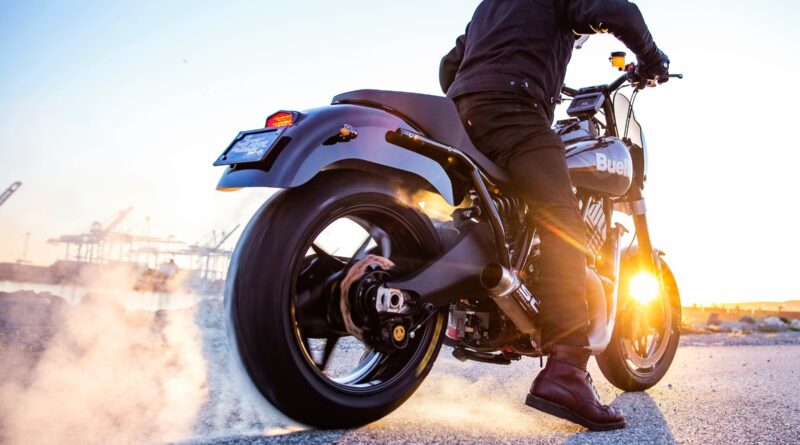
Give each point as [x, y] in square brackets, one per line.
[564, 389]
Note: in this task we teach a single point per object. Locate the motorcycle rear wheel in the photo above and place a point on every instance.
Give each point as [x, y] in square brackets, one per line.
[279, 258]
[638, 361]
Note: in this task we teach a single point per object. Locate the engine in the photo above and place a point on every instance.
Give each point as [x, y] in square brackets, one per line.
[594, 217]
[478, 325]
[479, 331]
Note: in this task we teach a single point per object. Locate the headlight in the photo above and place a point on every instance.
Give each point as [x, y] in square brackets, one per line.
[644, 288]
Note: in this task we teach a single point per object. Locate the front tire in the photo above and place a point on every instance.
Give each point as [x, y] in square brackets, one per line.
[637, 361]
[271, 264]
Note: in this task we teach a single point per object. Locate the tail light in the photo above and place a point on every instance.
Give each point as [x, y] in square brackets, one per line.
[281, 119]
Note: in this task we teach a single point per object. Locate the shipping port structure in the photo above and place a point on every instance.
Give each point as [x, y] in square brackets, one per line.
[141, 262]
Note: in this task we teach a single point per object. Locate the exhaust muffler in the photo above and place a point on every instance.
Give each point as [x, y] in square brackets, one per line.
[511, 296]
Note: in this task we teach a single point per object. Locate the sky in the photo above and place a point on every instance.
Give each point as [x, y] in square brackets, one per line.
[106, 105]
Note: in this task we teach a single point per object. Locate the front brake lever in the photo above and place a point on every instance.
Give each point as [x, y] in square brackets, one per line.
[665, 79]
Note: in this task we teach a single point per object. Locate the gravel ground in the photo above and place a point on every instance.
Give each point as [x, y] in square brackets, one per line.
[721, 388]
[754, 339]
[713, 394]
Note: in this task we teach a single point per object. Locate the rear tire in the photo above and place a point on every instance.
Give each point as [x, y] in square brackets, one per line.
[262, 287]
[620, 363]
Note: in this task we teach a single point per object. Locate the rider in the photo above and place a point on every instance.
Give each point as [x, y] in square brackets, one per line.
[505, 75]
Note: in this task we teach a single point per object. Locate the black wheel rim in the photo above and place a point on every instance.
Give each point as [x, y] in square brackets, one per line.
[344, 362]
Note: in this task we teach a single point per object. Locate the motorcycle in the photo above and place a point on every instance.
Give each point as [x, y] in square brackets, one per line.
[393, 235]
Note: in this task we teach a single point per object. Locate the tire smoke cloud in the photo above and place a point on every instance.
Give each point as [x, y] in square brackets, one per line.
[106, 375]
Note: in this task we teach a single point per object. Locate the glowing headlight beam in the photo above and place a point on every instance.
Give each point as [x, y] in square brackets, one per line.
[644, 288]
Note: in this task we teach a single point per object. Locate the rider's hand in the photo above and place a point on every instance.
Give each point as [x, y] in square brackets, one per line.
[652, 69]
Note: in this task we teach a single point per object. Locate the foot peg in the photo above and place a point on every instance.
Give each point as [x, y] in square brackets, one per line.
[504, 358]
[511, 296]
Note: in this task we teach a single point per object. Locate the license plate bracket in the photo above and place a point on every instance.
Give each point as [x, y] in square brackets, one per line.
[250, 146]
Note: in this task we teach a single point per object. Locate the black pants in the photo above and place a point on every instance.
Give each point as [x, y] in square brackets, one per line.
[514, 131]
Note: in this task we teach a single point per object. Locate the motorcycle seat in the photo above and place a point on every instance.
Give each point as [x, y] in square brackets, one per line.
[435, 116]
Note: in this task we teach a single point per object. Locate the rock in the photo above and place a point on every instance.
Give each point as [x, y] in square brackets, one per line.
[694, 328]
[747, 319]
[28, 321]
[28, 318]
[742, 328]
[713, 319]
[727, 326]
[771, 324]
[795, 325]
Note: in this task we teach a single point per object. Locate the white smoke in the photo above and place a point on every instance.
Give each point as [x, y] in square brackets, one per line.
[109, 376]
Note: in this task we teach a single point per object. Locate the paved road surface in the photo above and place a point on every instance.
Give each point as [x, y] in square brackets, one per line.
[712, 394]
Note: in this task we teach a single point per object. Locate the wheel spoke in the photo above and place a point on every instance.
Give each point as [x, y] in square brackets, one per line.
[634, 322]
[307, 298]
[326, 258]
[330, 345]
[640, 345]
[384, 243]
[320, 272]
[361, 252]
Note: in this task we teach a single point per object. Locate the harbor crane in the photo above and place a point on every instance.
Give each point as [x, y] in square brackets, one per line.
[9, 191]
[92, 240]
[210, 253]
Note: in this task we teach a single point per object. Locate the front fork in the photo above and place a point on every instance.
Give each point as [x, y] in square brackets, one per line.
[648, 259]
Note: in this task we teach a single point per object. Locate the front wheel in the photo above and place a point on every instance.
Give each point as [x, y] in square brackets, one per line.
[281, 317]
[645, 336]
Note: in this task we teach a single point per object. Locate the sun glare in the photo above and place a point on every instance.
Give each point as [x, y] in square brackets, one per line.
[644, 287]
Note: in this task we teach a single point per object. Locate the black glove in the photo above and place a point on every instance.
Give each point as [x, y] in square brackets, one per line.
[653, 68]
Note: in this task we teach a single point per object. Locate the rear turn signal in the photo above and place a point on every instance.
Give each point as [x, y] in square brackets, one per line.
[280, 119]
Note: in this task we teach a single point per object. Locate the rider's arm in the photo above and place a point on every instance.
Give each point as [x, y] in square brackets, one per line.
[619, 17]
[450, 63]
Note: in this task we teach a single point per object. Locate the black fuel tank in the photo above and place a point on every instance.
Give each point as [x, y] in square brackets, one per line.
[603, 165]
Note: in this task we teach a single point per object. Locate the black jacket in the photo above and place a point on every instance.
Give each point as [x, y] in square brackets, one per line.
[525, 45]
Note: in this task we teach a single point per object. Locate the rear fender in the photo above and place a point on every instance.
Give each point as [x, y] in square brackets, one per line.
[313, 145]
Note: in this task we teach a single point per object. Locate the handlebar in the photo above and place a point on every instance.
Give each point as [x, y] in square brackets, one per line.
[613, 86]
[571, 92]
